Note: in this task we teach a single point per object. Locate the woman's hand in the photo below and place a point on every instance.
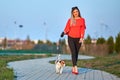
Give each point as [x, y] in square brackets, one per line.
[81, 40]
[62, 34]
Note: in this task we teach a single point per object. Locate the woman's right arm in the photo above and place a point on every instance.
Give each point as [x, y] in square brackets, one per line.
[67, 27]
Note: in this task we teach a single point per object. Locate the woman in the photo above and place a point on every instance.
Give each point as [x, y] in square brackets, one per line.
[75, 29]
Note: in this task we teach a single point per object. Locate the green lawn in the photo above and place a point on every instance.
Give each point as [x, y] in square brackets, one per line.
[6, 73]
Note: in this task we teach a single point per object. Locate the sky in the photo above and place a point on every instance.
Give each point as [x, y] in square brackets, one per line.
[46, 19]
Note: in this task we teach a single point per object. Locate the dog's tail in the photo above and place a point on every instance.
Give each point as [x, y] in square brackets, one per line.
[58, 58]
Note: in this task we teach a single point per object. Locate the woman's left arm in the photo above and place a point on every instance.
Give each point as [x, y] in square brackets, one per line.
[82, 31]
[83, 28]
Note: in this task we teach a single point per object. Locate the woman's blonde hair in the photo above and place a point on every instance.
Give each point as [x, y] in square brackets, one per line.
[73, 22]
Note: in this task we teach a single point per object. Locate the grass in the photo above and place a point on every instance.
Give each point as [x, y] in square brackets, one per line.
[109, 64]
[7, 73]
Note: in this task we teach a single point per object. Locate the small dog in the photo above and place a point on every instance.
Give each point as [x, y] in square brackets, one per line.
[59, 65]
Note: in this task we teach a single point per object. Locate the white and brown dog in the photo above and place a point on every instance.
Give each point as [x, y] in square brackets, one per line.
[59, 65]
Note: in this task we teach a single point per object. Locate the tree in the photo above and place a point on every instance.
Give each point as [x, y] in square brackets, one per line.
[88, 40]
[101, 40]
[49, 42]
[62, 42]
[62, 45]
[28, 39]
[110, 43]
[40, 42]
[28, 44]
[4, 43]
[117, 43]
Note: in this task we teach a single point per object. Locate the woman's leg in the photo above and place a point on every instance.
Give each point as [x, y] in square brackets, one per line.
[73, 49]
[77, 45]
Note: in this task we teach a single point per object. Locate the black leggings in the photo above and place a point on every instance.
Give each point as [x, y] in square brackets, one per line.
[74, 48]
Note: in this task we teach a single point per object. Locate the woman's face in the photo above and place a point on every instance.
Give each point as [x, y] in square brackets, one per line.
[75, 13]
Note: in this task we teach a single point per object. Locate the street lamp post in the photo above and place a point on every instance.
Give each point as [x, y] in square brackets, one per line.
[45, 31]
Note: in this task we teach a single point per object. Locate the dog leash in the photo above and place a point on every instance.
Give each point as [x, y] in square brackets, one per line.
[58, 47]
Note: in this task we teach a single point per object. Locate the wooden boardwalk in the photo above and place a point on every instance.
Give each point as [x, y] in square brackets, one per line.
[41, 69]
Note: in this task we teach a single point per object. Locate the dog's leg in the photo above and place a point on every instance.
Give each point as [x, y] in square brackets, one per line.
[57, 70]
[61, 69]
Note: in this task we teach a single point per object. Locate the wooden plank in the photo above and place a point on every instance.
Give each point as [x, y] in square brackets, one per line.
[59, 76]
[109, 76]
[30, 75]
[80, 77]
[98, 75]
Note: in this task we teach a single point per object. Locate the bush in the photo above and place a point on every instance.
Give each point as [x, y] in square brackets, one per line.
[101, 41]
[117, 43]
[110, 43]
[95, 49]
[88, 40]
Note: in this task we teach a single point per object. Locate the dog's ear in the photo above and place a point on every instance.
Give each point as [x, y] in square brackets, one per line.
[62, 62]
